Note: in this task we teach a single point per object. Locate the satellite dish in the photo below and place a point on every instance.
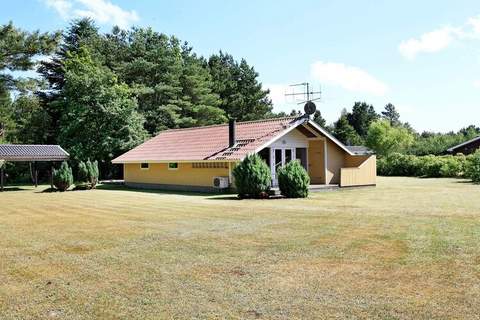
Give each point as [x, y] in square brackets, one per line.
[310, 108]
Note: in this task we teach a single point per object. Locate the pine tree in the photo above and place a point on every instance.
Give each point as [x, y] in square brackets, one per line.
[242, 96]
[18, 47]
[317, 118]
[391, 114]
[344, 132]
[200, 106]
[361, 117]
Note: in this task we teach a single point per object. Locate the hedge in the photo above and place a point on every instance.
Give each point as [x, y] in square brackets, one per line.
[473, 167]
[398, 164]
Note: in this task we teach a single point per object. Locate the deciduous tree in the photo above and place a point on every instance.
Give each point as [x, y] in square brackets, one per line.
[385, 139]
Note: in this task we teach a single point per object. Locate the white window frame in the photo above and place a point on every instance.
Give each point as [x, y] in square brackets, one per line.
[273, 160]
[147, 168]
[168, 166]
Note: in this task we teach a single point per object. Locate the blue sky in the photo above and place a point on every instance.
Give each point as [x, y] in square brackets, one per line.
[422, 56]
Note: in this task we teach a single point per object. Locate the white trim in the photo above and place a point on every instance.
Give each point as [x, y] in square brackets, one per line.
[145, 169]
[298, 123]
[325, 158]
[275, 138]
[328, 135]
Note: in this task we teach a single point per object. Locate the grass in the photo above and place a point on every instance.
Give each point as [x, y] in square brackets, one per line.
[407, 249]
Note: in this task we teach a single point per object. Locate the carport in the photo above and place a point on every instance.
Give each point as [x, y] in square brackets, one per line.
[31, 154]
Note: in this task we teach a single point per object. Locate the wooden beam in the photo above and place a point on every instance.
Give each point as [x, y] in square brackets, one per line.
[1, 177]
[51, 176]
[35, 174]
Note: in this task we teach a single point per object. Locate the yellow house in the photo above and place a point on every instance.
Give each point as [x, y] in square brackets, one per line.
[202, 158]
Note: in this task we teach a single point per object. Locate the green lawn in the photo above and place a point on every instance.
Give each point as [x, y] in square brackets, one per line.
[407, 249]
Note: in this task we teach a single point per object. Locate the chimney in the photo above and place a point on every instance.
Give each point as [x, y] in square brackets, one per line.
[231, 132]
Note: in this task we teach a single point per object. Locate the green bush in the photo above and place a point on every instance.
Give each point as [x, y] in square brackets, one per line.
[453, 166]
[63, 177]
[93, 173]
[293, 180]
[82, 173]
[473, 167]
[252, 177]
[430, 166]
[398, 164]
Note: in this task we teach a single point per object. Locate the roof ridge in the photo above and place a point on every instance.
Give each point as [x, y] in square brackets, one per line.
[226, 124]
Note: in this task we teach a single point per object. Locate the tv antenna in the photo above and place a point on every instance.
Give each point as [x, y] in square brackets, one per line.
[309, 107]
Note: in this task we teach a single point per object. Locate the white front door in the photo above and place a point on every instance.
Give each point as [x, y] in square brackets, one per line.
[278, 158]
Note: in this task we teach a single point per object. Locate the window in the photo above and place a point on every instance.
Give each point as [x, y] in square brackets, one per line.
[288, 155]
[172, 165]
[301, 154]
[144, 166]
[278, 159]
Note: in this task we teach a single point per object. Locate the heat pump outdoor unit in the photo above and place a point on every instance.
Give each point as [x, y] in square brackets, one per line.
[220, 182]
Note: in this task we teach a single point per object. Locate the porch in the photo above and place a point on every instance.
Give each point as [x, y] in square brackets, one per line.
[329, 163]
[312, 188]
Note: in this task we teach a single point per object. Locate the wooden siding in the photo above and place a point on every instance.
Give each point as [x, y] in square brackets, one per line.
[158, 173]
[293, 139]
[335, 162]
[361, 175]
[316, 165]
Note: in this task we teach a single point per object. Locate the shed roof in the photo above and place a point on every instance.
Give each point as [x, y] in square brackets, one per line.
[211, 142]
[29, 152]
[360, 150]
[452, 149]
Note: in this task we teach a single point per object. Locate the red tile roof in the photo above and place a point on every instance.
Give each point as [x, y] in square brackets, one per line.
[209, 143]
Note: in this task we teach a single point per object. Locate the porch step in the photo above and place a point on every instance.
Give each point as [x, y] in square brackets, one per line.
[313, 188]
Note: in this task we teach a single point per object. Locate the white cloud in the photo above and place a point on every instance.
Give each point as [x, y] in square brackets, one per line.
[62, 7]
[102, 11]
[474, 23]
[348, 77]
[440, 39]
[277, 93]
[428, 42]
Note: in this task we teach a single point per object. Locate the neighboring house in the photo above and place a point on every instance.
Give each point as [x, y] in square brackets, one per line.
[192, 158]
[467, 147]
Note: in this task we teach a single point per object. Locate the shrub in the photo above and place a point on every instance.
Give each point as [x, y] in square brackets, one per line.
[252, 177]
[63, 177]
[397, 164]
[473, 167]
[293, 180]
[82, 173]
[452, 166]
[93, 173]
[430, 166]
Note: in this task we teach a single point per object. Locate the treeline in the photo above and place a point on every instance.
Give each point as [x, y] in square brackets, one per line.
[385, 133]
[99, 94]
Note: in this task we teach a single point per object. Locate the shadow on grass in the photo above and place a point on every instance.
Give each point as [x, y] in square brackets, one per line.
[465, 181]
[8, 189]
[116, 187]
